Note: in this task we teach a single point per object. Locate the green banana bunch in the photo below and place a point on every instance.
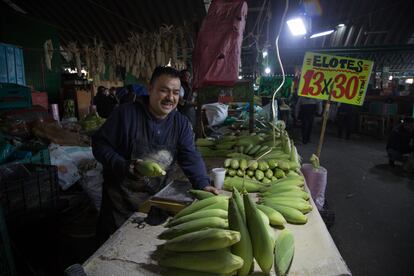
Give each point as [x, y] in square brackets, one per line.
[149, 168]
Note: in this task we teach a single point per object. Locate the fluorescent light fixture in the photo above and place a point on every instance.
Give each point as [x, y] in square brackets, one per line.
[267, 70]
[409, 81]
[240, 77]
[390, 78]
[322, 34]
[297, 26]
[341, 25]
[264, 53]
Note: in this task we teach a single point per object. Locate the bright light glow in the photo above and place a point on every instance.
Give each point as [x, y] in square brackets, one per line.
[169, 63]
[409, 81]
[390, 78]
[296, 26]
[264, 53]
[341, 25]
[240, 77]
[267, 70]
[322, 34]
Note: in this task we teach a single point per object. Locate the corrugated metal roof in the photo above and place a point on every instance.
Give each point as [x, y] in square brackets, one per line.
[112, 21]
[367, 23]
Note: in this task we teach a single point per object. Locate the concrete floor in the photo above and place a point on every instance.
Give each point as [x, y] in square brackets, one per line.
[373, 204]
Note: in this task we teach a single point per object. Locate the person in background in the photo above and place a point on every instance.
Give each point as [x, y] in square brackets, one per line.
[305, 111]
[104, 102]
[138, 146]
[186, 103]
[399, 143]
[344, 118]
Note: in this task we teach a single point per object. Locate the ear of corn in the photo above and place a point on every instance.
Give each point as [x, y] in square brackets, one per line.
[218, 205]
[239, 183]
[254, 150]
[219, 213]
[263, 166]
[292, 173]
[301, 194]
[199, 194]
[232, 172]
[149, 168]
[279, 173]
[284, 251]
[248, 148]
[284, 165]
[269, 173]
[291, 180]
[297, 203]
[216, 261]
[272, 164]
[290, 214]
[263, 216]
[278, 189]
[253, 165]
[259, 174]
[275, 218]
[243, 164]
[198, 205]
[203, 240]
[243, 248]
[266, 180]
[261, 241]
[234, 163]
[239, 202]
[204, 142]
[289, 195]
[192, 226]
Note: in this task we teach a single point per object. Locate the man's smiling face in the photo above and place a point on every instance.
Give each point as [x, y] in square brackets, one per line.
[164, 95]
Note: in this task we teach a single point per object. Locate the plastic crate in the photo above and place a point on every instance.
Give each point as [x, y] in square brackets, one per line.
[14, 96]
[6, 259]
[40, 99]
[11, 64]
[28, 191]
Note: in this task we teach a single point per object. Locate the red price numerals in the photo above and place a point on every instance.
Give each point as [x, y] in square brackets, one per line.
[340, 86]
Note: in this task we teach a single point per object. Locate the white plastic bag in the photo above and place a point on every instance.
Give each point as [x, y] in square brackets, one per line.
[316, 181]
[91, 183]
[216, 113]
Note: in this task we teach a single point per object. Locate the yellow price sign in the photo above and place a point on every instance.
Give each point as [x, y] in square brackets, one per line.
[345, 78]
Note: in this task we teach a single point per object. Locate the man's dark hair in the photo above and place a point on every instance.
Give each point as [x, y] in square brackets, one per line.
[164, 70]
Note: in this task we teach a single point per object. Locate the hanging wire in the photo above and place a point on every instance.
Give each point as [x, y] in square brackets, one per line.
[282, 69]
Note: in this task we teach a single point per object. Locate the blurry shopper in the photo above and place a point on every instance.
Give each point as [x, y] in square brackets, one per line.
[186, 103]
[104, 102]
[344, 118]
[399, 144]
[305, 111]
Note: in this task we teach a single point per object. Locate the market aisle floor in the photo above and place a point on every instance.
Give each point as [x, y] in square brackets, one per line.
[373, 204]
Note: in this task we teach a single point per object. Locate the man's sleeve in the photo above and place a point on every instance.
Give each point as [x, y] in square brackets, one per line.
[108, 141]
[190, 159]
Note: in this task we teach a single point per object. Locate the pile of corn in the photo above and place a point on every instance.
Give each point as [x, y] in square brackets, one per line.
[223, 236]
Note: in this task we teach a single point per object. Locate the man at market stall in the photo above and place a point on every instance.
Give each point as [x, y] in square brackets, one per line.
[138, 146]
